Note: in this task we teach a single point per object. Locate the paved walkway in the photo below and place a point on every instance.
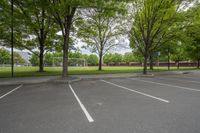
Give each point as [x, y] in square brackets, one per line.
[26, 80]
[32, 80]
[100, 76]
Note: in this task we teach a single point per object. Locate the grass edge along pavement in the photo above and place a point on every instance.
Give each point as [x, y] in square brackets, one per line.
[5, 72]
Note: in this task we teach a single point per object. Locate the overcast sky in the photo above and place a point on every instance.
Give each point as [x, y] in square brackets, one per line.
[120, 50]
[123, 48]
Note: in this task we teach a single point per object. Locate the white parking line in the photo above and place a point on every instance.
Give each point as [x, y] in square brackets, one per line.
[10, 91]
[180, 80]
[141, 93]
[183, 77]
[181, 87]
[90, 119]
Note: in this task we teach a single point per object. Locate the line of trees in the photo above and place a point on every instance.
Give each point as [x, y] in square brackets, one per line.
[5, 57]
[74, 57]
[164, 24]
[153, 26]
[92, 59]
[37, 23]
[77, 58]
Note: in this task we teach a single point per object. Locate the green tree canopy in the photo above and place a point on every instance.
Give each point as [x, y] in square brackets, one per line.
[152, 21]
[193, 45]
[100, 29]
[92, 59]
[4, 56]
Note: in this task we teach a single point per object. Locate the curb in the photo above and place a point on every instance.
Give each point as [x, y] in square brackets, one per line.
[72, 79]
[68, 81]
[111, 77]
[172, 73]
[25, 82]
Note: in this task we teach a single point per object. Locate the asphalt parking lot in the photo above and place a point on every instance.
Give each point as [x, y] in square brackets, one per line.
[161, 104]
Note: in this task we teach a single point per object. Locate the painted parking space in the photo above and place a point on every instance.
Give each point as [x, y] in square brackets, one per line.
[41, 108]
[174, 82]
[185, 77]
[7, 90]
[109, 105]
[119, 106]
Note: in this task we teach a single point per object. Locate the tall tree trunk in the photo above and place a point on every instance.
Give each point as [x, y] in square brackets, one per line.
[151, 62]
[66, 50]
[178, 64]
[145, 63]
[41, 57]
[65, 73]
[145, 66]
[100, 60]
[42, 39]
[67, 28]
[168, 58]
[198, 63]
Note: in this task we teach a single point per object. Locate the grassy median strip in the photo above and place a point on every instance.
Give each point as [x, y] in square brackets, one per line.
[52, 71]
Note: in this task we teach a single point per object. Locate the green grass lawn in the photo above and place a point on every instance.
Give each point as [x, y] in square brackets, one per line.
[51, 71]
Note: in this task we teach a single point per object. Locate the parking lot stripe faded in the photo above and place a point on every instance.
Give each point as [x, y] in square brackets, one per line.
[179, 80]
[10, 91]
[163, 84]
[141, 93]
[90, 119]
[183, 77]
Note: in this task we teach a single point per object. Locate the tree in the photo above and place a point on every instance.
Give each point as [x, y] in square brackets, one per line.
[116, 58]
[129, 57]
[92, 59]
[107, 58]
[34, 60]
[138, 56]
[63, 13]
[40, 28]
[4, 56]
[18, 59]
[152, 58]
[193, 46]
[4, 23]
[75, 54]
[48, 60]
[100, 29]
[166, 51]
[152, 18]
[193, 51]
[112, 58]
[75, 58]
[9, 28]
[179, 54]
